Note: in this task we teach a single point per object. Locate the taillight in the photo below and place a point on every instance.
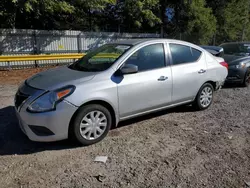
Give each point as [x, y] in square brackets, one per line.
[224, 64]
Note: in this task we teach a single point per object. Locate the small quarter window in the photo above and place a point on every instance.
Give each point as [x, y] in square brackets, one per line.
[196, 54]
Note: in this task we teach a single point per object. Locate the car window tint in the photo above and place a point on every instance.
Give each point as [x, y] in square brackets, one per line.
[196, 54]
[238, 49]
[148, 57]
[183, 54]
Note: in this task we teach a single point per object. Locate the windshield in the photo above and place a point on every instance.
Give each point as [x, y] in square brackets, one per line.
[240, 49]
[101, 58]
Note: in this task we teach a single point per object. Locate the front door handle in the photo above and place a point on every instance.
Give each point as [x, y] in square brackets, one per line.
[162, 78]
[201, 71]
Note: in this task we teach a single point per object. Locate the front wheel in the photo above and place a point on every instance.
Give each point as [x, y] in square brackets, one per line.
[91, 124]
[204, 97]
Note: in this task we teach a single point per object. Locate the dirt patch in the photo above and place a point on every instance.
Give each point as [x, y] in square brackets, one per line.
[17, 76]
[172, 148]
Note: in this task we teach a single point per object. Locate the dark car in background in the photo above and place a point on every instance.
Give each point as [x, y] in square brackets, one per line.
[237, 55]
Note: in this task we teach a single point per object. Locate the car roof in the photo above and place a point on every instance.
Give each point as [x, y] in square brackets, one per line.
[134, 42]
[246, 42]
[131, 41]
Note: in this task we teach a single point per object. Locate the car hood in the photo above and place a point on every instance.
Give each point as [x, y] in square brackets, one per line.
[58, 77]
[233, 59]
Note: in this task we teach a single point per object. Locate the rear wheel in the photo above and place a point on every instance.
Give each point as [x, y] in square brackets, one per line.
[204, 97]
[246, 82]
[91, 124]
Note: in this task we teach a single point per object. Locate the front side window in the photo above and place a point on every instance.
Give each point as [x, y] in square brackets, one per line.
[148, 57]
[183, 54]
[101, 58]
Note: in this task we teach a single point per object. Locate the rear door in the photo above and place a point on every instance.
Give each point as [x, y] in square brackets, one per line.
[188, 70]
[150, 87]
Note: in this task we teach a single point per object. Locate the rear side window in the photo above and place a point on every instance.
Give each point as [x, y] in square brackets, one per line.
[183, 54]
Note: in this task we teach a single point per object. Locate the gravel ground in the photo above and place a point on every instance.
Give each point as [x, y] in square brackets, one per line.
[173, 148]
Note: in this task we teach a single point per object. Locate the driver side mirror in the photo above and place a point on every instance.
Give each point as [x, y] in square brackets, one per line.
[129, 69]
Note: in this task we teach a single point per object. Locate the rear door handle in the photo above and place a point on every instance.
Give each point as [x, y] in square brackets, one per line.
[201, 71]
[162, 78]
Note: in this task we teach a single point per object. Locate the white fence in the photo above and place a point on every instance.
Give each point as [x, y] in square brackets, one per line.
[17, 42]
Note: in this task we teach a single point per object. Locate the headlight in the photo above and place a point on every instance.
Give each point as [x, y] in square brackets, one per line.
[241, 65]
[48, 101]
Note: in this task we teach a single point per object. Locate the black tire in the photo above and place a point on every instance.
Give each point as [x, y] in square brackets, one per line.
[197, 102]
[74, 130]
[246, 82]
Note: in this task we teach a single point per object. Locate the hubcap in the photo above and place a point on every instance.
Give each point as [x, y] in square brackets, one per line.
[93, 125]
[206, 97]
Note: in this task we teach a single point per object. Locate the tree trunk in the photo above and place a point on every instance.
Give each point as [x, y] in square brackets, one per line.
[214, 39]
[90, 20]
[162, 31]
[162, 16]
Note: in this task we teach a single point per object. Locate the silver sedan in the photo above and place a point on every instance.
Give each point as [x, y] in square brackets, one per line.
[115, 82]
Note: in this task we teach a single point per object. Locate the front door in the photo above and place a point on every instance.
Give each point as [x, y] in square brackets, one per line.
[150, 87]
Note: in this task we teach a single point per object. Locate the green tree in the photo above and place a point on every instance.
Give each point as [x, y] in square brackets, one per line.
[36, 13]
[113, 17]
[201, 22]
[236, 21]
[88, 13]
[218, 8]
[192, 20]
[6, 14]
[140, 12]
[177, 18]
[232, 19]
